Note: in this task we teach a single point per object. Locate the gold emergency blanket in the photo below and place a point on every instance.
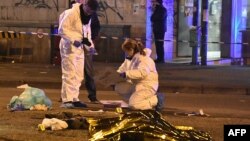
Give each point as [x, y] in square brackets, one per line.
[142, 126]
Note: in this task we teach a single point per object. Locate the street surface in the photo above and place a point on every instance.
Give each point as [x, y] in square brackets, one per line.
[222, 109]
[221, 93]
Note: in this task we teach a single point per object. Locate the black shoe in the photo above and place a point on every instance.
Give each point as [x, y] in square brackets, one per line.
[159, 61]
[94, 100]
[60, 100]
[79, 104]
[113, 87]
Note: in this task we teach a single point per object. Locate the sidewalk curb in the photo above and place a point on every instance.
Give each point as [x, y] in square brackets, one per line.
[205, 90]
[168, 89]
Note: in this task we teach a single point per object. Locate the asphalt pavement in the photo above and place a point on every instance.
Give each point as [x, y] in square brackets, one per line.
[221, 92]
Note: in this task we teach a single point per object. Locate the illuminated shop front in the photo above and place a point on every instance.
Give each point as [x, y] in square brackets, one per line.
[186, 9]
[226, 20]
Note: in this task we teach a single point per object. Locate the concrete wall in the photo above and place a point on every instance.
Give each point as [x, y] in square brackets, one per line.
[29, 16]
[34, 15]
[118, 12]
[31, 11]
[124, 12]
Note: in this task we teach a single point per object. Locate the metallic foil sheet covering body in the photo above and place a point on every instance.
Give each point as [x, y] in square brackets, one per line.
[142, 126]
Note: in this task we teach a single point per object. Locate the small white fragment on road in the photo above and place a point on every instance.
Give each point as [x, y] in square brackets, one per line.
[97, 111]
[242, 101]
[201, 112]
[43, 72]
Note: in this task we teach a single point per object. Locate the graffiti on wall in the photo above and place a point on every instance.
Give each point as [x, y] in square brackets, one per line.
[104, 6]
[37, 3]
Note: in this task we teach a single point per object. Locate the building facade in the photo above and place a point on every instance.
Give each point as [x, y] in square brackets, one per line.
[226, 20]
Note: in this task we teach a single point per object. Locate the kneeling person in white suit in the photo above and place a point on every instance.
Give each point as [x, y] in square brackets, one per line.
[142, 77]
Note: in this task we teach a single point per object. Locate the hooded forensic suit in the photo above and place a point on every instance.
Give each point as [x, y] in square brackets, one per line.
[71, 29]
[142, 83]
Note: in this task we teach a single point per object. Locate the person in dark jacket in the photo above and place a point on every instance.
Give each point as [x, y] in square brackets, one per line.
[158, 20]
[88, 62]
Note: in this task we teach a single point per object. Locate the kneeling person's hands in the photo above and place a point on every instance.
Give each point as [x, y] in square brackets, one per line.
[123, 74]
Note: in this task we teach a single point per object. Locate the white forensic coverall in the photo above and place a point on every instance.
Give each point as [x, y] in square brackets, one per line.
[142, 83]
[72, 58]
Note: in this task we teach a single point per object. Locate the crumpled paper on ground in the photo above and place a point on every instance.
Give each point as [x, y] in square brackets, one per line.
[53, 124]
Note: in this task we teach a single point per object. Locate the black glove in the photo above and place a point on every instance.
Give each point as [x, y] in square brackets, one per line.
[129, 58]
[123, 74]
[85, 41]
[77, 44]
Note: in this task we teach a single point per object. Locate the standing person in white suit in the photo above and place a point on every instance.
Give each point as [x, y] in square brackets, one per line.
[75, 32]
[140, 71]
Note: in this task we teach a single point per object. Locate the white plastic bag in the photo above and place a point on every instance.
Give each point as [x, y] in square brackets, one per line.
[30, 97]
